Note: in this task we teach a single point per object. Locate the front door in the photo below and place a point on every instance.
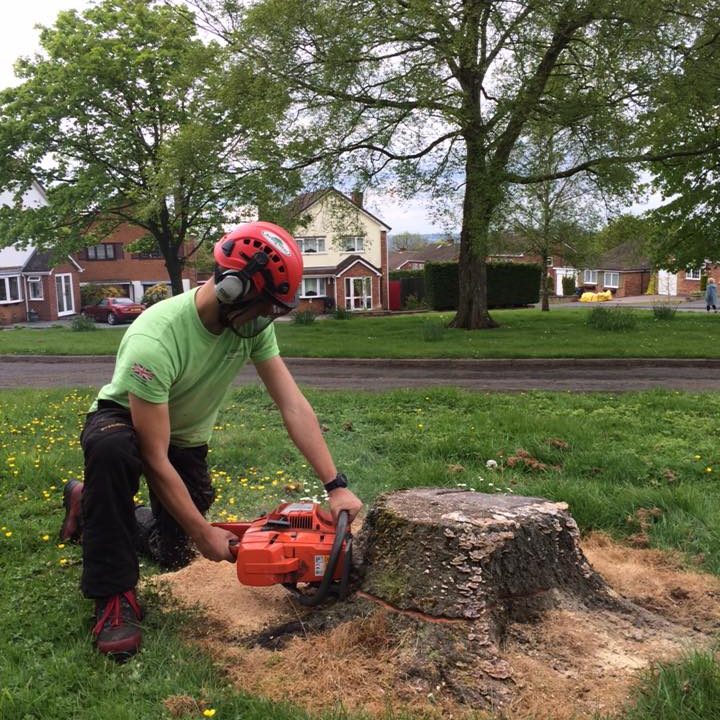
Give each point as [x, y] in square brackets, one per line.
[667, 283]
[358, 293]
[65, 302]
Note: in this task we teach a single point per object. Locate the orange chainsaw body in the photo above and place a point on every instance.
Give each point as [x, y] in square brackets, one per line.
[291, 544]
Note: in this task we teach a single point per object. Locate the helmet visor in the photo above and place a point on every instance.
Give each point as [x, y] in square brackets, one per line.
[248, 318]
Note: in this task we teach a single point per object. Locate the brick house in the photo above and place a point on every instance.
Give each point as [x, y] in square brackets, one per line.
[111, 264]
[344, 250]
[33, 285]
[624, 270]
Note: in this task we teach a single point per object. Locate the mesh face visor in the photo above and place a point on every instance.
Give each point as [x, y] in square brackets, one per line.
[249, 328]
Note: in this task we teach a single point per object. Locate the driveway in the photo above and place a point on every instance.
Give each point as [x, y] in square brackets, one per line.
[380, 375]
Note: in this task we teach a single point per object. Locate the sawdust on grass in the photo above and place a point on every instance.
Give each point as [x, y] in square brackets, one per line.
[571, 664]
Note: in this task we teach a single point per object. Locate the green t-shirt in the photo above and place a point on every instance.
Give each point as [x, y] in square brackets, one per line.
[168, 356]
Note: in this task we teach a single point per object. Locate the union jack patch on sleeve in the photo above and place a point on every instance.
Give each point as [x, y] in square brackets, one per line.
[142, 373]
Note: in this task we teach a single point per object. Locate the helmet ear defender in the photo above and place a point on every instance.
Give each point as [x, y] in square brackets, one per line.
[233, 285]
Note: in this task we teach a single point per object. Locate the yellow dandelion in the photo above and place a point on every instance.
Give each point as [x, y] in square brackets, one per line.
[61, 546]
[8, 533]
[209, 712]
[708, 469]
[45, 538]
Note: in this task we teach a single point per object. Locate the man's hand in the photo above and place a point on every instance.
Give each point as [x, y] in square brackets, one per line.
[344, 499]
[214, 544]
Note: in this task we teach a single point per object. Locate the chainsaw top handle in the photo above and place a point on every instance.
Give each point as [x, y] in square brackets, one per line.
[320, 595]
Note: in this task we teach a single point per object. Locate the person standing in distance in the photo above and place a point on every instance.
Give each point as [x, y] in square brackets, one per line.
[711, 295]
[155, 418]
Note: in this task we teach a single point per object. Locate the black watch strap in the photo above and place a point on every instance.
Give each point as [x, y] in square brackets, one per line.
[339, 481]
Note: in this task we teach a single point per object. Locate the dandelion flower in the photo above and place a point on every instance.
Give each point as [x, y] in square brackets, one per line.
[209, 712]
[491, 464]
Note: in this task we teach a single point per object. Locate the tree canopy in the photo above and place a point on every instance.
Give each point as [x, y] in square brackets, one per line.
[125, 118]
[685, 111]
[436, 95]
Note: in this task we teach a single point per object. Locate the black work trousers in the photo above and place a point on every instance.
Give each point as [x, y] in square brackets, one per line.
[113, 467]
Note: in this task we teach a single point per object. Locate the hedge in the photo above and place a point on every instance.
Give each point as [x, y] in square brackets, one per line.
[509, 285]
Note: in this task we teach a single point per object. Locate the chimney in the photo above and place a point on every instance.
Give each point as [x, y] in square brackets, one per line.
[357, 197]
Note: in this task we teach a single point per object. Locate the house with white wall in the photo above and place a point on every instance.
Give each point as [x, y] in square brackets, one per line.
[345, 252]
[32, 285]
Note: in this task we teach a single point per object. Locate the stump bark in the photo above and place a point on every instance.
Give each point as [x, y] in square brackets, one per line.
[455, 554]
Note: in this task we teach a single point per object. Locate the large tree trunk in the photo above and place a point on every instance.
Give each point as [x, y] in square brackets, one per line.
[472, 312]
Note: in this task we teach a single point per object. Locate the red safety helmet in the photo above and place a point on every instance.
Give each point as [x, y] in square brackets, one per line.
[258, 255]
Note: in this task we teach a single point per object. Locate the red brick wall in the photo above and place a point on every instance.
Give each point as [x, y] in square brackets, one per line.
[359, 270]
[125, 268]
[384, 289]
[47, 308]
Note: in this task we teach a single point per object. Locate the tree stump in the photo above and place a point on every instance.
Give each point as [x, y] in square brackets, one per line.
[454, 554]
[458, 568]
[474, 601]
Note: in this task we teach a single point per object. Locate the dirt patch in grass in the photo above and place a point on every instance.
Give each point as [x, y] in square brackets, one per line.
[569, 664]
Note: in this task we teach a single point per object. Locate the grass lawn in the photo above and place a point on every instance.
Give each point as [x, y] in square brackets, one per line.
[606, 455]
[522, 334]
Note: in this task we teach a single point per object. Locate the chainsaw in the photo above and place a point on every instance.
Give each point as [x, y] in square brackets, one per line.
[295, 543]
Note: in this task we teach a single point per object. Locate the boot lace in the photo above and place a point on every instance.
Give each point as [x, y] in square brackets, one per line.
[113, 612]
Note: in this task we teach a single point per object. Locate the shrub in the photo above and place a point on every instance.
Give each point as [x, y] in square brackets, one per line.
[304, 317]
[341, 314]
[93, 293]
[82, 324]
[613, 319]
[568, 285]
[664, 310]
[412, 302]
[432, 331]
[155, 294]
[703, 283]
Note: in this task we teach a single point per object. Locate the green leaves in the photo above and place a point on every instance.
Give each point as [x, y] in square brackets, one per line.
[126, 119]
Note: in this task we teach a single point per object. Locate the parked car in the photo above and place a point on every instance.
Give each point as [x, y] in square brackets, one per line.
[113, 310]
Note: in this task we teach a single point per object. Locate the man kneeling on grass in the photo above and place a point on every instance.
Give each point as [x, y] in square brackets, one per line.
[155, 417]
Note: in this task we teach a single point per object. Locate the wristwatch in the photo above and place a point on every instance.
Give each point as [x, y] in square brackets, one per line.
[339, 481]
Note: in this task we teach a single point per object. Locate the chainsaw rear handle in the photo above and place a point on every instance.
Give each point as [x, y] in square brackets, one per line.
[320, 595]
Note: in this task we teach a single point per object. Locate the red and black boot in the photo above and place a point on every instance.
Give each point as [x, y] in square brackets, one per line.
[71, 528]
[117, 630]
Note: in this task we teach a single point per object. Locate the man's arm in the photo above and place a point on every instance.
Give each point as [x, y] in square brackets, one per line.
[304, 430]
[152, 425]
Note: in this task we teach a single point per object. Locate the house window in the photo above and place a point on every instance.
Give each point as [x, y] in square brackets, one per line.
[104, 251]
[611, 280]
[352, 243]
[358, 293]
[692, 274]
[590, 277]
[313, 287]
[35, 288]
[10, 289]
[314, 244]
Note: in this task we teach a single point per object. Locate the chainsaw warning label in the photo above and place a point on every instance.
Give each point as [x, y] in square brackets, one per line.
[320, 564]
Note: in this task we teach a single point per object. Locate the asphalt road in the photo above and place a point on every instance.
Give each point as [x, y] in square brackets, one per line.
[379, 375]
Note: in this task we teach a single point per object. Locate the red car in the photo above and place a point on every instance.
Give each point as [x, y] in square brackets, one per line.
[113, 310]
